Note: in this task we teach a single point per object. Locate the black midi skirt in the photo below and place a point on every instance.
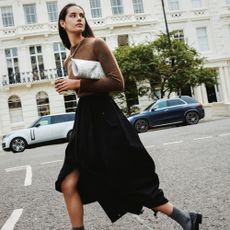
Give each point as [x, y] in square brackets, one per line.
[115, 168]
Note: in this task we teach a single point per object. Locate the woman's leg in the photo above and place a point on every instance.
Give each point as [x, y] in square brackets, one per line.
[72, 199]
[187, 220]
[166, 209]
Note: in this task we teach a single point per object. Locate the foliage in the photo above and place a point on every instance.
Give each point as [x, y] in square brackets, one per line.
[170, 68]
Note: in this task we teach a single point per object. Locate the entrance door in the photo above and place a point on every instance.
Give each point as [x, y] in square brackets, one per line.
[211, 93]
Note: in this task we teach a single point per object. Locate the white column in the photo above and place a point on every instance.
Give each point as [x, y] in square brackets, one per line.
[41, 8]
[223, 85]
[204, 94]
[48, 56]
[198, 94]
[3, 69]
[18, 12]
[128, 7]
[24, 59]
[5, 116]
[106, 8]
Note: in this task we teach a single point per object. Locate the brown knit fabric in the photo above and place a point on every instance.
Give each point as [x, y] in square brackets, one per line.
[95, 49]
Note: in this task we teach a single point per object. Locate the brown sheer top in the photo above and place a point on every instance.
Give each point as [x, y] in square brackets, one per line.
[95, 49]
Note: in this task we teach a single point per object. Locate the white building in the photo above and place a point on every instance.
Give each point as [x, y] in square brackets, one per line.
[31, 53]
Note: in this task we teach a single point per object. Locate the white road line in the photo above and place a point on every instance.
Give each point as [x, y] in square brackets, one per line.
[50, 162]
[28, 178]
[150, 146]
[202, 138]
[174, 142]
[12, 220]
[141, 221]
[224, 134]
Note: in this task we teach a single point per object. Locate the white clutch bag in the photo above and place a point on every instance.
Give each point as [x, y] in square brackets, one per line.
[87, 69]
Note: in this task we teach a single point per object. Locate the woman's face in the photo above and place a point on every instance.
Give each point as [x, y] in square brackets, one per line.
[74, 21]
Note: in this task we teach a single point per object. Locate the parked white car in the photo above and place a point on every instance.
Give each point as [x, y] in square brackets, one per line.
[45, 129]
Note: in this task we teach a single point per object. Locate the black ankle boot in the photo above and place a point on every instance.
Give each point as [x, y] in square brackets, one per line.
[196, 219]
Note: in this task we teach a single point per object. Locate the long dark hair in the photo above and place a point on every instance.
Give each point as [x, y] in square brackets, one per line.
[62, 33]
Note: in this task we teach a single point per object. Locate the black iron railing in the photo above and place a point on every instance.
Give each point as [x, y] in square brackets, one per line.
[30, 77]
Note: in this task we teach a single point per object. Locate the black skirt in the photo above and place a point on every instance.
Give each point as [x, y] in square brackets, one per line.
[115, 168]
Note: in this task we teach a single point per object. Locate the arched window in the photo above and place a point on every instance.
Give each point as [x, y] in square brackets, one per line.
[15, 108]
[42, 103]
[70, 103]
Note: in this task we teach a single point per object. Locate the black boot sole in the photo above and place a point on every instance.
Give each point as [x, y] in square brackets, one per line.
[196, 219]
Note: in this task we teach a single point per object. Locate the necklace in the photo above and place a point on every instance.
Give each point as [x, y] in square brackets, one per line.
[78, 46]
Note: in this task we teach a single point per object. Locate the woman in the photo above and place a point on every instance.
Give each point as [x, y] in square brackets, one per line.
[105, 160]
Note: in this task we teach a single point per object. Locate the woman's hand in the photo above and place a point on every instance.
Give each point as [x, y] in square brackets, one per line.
[66, 84]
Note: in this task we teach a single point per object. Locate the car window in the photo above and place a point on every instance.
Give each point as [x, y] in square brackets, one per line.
[188, 99]
[174, 102]
[62, 118]
[160, 104]
[44, 121]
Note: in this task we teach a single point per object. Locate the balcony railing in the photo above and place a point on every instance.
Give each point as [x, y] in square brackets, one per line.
[25, 78]
[195, 14]
[119, 20]
[29, 30]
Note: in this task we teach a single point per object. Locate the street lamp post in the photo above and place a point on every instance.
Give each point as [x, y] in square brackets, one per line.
[167, 30]
[166, 23]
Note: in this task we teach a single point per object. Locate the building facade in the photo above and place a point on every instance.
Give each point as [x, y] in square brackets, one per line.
[32, 54]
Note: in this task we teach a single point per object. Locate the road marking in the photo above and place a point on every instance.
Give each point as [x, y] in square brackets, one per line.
[141, 221]
[28, 178]
[174, 142]
[224, 134]
[150, 146]
[50, 162]
[12, 220]
[202, 138]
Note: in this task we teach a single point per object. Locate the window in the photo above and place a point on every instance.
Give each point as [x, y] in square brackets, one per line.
[227, 2]
[52, 11]
[63, 118]
[37, 63]
[15, 109]
[70, 103]
[7, 16]
[160, 105]
[175, 102]
[60, 56]
[123, 40]
[117, 7]
[95, 6]
[173, 4]
[43, 106]
[196, 3]
[30, 13]
[179, 35]
[202, 39]
[138, 6]
[12, 65]
[43, 121]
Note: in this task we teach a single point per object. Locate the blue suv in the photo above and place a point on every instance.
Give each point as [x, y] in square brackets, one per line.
[171, 111]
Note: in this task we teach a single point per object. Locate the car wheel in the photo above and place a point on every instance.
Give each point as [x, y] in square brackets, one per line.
[17, 145]
[141, 126]
[69, 134]
[191, 118]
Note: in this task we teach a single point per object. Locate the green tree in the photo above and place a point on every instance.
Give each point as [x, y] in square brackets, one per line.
[179, 66]
[170, 68]
[134, 64]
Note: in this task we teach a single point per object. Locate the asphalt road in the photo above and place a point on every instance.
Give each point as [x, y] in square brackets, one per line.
[193, 163]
